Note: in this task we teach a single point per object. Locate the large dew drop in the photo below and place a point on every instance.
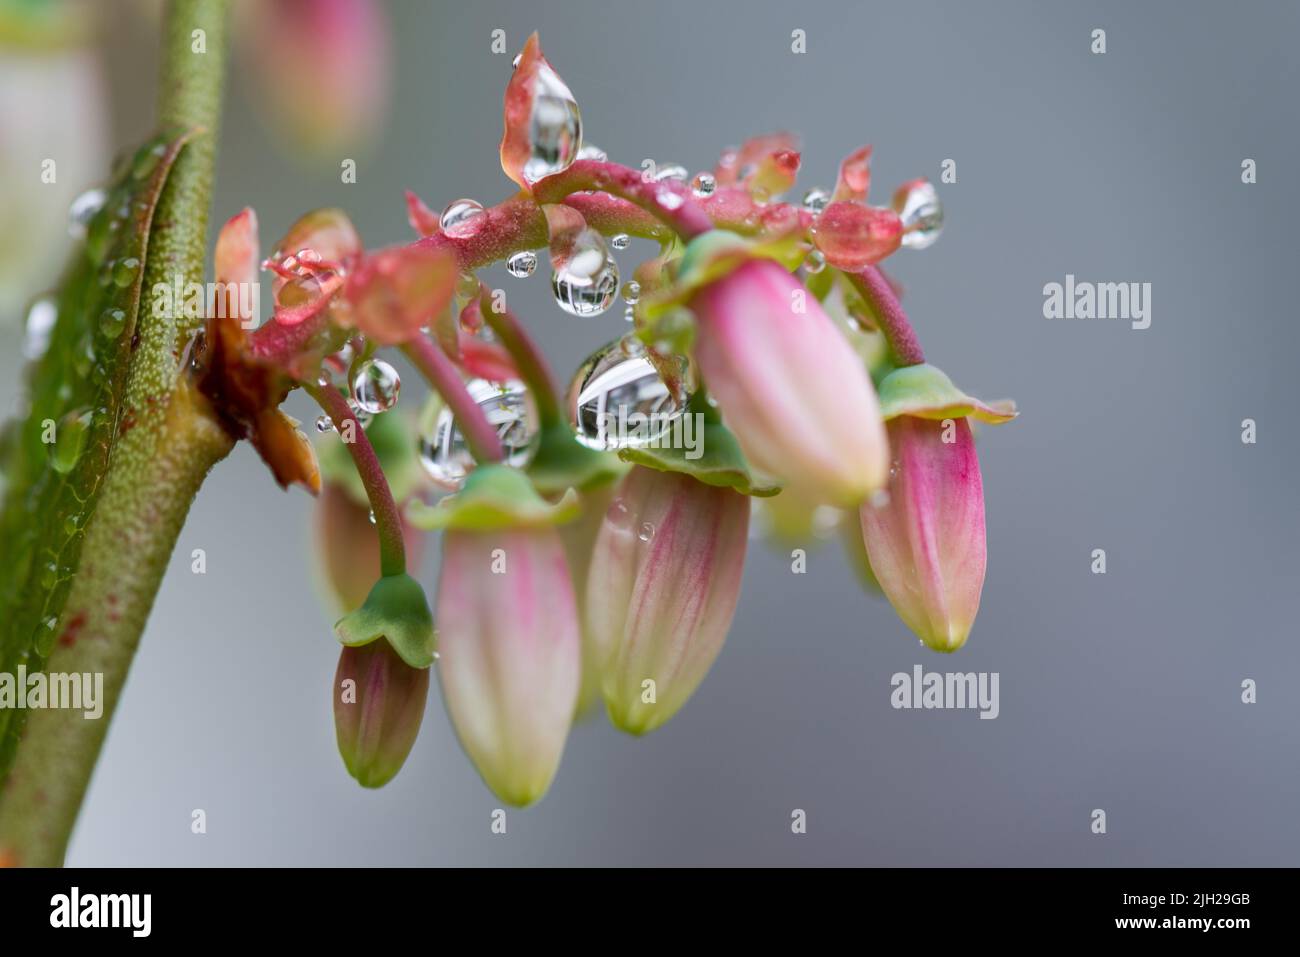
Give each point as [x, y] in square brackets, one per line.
[462, 218]
[618, 400]
[917, 204]
[376, 386]
[555, 127]
[586, 283]
[443, 451]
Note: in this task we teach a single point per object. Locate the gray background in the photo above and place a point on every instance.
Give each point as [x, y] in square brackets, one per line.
[1119, 692]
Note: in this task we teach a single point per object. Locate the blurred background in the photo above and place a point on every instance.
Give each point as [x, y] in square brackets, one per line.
[1119, 691]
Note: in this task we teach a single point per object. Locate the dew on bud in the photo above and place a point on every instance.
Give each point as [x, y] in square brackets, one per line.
[620, 240]
[703, 185]
[646, 532]
[555, 127]
[631, 292]
[41, 316]
[917, 204]
[590, 151]
[376, 386]
[509, 408]
[816, 199]
[69, 439]
[462, 218]
[83, 210]
[618, 514]
[618, 400]
[668, 199]
[522, 264]
[814, 262]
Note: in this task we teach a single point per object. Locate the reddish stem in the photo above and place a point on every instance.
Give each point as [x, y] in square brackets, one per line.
[388, 521]
[441, 373]
[888, 312]
[669, 201]
[528, 358]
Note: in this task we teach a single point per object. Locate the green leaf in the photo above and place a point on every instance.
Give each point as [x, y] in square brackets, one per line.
[56, 458]
[925, 392]
[494, 496]
[714, 457]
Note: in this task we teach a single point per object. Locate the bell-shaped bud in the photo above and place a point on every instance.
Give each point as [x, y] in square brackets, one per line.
[926, 541]
[509, 653]
[395, 610]
[664, 581]
[789, 383]
[378, 706]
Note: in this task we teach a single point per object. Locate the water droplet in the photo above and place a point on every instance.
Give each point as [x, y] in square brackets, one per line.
[816, 199]
[668, 199]
[324, 424]
[508, 407]
[917, 204]
[555, 127]
[587, 282]
[590, 151]
[125, 271]
[376, 386]
[83, 210]
[71, 524]
[629, 314]
[41, 316]
[703, 185]
[146, 160]
[372, 516]
[522, 264]
[631, 345]
[514, 64]
[103, 229]
[618, 400]
[618, 514]
[880, 498]
[671, 172]
[620, 240]
[646, 532]
[362, 416]
[69, 439]
[814, 262]
[112, 322]
[631, 292]
[462, 218]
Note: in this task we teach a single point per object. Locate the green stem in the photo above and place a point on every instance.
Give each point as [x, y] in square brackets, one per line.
[388, 520]
[154, 471]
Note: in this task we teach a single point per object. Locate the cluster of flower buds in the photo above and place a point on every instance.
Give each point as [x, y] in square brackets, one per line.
[593, 541]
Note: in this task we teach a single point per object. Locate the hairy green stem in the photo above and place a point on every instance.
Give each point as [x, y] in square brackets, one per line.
[154, 470]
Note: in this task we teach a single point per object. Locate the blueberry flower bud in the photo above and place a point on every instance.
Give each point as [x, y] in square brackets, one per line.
[664, 581]
[926, 543]
[789, 384]
[378, 706]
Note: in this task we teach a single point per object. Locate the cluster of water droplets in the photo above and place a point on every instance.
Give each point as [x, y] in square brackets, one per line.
[445, 454]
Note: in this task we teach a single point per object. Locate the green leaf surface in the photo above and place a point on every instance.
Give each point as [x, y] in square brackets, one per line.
[55, 459]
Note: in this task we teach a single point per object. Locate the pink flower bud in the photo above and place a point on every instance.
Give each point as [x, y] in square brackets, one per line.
[664, 581]
[789, 384]
[510, 656]
[378, 706]
[926, 544]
